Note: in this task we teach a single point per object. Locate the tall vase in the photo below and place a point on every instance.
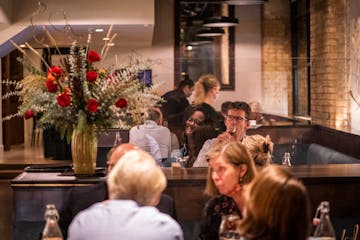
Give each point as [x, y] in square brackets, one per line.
[84, 151]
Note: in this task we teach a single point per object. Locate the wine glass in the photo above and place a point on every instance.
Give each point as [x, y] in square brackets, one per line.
[228, 227]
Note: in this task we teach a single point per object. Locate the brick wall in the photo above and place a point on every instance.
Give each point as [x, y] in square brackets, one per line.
[329, 97]
[276, 57]
[330, 100]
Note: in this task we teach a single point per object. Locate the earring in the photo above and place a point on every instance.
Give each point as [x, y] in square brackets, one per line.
[241, 179]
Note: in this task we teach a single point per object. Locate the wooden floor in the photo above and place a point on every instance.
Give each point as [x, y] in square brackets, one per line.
[12, 163]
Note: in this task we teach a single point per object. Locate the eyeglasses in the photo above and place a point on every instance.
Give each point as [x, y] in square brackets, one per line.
[236, 118]
[194, 121]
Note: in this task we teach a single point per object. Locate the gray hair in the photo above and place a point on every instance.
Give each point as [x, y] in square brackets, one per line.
[136, 177]
[152, 114]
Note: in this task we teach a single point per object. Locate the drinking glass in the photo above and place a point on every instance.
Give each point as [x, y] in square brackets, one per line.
[228, 227]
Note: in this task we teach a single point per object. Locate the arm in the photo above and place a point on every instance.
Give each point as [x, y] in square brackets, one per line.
[209, 226]
[201, 160]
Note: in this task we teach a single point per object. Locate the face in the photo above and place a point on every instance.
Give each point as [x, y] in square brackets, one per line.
[188, 91]
[216, 92]
[225, 175]
[236, 121]
[196, 119]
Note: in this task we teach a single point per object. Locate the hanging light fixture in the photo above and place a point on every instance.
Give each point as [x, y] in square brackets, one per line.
[244, 2]
[210, 32]
[200, 41]
[221, 21]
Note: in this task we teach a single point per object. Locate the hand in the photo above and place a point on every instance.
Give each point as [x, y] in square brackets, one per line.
[223, 137]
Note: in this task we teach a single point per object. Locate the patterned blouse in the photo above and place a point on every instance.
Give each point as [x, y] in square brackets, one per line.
[214, 209]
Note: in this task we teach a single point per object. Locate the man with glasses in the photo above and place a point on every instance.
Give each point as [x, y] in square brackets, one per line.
[236, 122]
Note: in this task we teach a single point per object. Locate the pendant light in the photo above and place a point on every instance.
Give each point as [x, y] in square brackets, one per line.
[210, 32]
[244, 2]
[200, 41]
[221, 21]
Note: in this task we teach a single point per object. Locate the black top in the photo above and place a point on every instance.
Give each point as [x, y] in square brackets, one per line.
[174, 106]
[214, 209]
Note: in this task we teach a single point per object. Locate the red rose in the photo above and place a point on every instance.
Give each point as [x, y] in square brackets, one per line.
[64, 99]
[51, 86]
[91, 76]
[55, 70]
[121, 103]
[28, 114]
[92, 105]
[93, 56]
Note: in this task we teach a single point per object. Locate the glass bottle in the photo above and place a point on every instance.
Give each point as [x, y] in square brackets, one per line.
[51, 230]
[324, 229]
[118, 139]
[286, 159]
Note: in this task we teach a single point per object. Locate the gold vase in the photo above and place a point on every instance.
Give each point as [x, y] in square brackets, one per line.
[84, 151]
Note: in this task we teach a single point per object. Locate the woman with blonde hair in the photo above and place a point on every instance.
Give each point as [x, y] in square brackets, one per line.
[277, 207]
[260, 148]
[206, 90]
[230, 168]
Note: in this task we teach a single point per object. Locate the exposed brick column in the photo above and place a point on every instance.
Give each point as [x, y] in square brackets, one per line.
[276, 58]
[329, 98]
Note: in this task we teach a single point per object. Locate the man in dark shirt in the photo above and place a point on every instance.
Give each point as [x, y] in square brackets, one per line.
[175, 104]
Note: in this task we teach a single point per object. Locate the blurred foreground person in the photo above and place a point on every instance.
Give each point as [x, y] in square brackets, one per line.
[135, 185]
[230, 169]
[277, 207]
[81, 198]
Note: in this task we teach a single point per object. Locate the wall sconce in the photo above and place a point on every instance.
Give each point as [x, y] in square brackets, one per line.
[210, 32]
[221, 21]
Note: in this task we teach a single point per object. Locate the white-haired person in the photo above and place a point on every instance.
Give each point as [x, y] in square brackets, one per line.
[135, 185]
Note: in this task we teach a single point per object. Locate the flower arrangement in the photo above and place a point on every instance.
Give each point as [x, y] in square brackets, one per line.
[77, 94]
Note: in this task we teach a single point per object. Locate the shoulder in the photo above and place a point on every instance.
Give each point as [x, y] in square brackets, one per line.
[168, 94]
[135, 128]
[158, 224]
[164, 130]
[208, 144]
[221, 205]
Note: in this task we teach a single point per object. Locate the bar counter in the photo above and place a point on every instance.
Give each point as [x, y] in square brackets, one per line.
[338, 183]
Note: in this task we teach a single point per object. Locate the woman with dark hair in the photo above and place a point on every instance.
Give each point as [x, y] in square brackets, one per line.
[277, 207]
[196, 140]
[199, 127]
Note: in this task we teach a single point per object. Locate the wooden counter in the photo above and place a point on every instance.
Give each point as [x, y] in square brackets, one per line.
[338, 184]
